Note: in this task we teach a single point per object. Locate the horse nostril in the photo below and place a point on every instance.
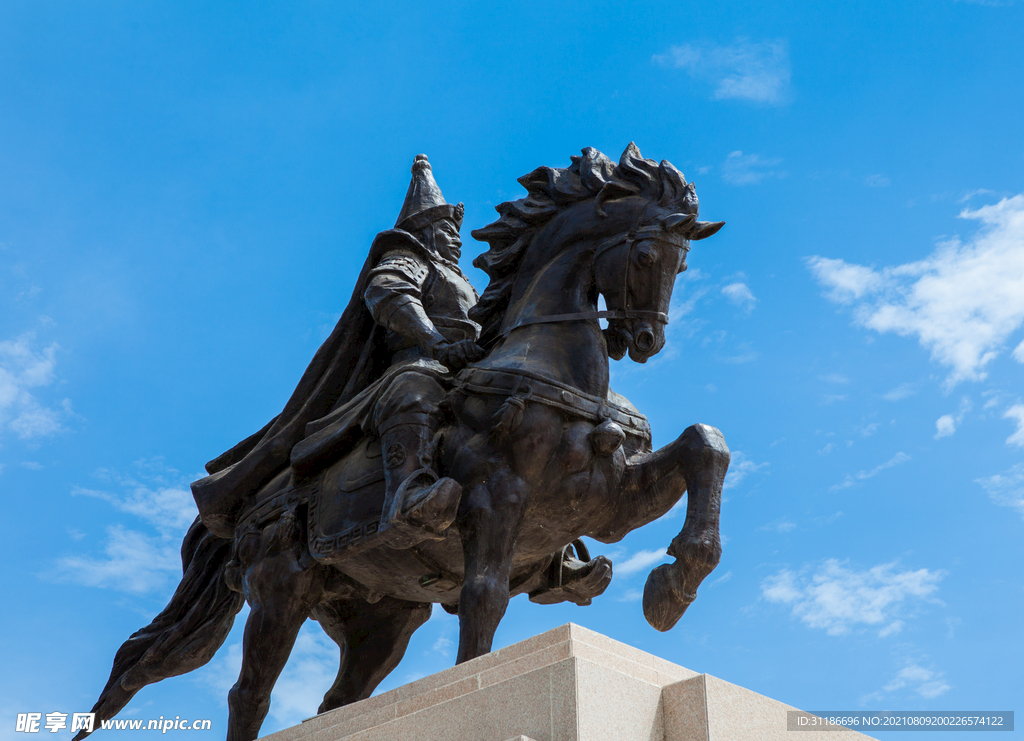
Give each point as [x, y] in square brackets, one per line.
[644, 340]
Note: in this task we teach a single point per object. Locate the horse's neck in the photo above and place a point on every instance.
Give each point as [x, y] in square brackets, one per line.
[573, 352]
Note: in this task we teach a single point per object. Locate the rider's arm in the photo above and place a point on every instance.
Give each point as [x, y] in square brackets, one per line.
[394, 298]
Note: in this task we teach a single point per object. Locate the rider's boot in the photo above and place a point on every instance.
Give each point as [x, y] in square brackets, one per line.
[418, 505]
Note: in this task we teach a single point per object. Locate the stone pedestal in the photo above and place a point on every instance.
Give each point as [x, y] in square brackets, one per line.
[569, 684]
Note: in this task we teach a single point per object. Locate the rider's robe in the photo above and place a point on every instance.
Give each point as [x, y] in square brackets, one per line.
[352, 358]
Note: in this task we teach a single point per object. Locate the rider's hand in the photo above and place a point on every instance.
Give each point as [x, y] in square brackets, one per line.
[457, 355]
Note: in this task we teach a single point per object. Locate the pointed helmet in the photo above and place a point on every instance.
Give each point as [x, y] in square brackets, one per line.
[424, 203]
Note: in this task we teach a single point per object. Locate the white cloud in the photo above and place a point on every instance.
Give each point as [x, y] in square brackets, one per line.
[749, 169]
[962, 302]
[846, 282]
[779, 526]
[836, 598]
[944, 426]
[835, 378]
[972, 193]
[640, 561]
[740, 295]
[721, 580]
[925, 682]
[22, 367]
[1016, 412]
[849, 481]
[1006, 489]
[900, 392]
[739, 468]
[680, 307]
[876, 181]
[891, 629]
[166, 508]
[443, 645]
[744, 354]
[758, 72]
[131, 562]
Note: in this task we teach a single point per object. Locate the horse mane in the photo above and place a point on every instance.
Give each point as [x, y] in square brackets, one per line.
[551, 190]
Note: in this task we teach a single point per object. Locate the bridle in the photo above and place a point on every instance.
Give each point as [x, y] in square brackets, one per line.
[630, 238]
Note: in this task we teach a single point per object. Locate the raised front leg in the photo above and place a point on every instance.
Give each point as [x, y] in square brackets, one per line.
[671, 588]
[489, 522]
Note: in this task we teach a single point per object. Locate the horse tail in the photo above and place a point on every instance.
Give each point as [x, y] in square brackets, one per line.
[183, 637]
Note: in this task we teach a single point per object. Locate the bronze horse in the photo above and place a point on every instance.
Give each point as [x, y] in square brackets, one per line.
[544, 450]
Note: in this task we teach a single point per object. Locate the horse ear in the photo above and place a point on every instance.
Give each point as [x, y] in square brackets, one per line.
[673, 222]
[704, 229]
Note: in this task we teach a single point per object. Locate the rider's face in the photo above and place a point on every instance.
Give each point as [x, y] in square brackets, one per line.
[446, 239]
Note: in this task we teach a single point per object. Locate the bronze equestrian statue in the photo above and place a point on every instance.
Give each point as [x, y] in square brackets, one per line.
[444, 447]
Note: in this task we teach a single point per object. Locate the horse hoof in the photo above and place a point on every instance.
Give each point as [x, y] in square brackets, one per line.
[665, 599]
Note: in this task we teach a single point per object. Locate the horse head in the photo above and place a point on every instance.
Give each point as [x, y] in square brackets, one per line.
[636, 270]
[635, 220]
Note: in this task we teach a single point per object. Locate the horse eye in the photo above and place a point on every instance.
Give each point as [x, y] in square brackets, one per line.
[645, 257]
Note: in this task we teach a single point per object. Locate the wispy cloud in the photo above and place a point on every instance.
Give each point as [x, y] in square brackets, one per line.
[640, 561]
[1016, 412]
[749, 169]
[782, 525]
[743, 70]
[836, 598]
[946, 424]
[927, 683]
[132, 560]
[962, 302]
[740, 294]
[902, 391]
[24, 368]
[1006, 489]
[973, 194]
[849, 481]
[740, 467]
[834, 378]
[876, 181]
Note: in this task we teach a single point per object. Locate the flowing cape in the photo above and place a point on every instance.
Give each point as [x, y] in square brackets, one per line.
[349, 360]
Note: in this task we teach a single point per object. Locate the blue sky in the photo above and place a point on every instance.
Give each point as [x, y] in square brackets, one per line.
[188, 190]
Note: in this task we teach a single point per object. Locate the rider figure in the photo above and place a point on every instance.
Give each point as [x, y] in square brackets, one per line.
[417, 293]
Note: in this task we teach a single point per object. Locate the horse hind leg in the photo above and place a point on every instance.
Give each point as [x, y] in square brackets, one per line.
[671, 588]
[283, 585]
[373, 639]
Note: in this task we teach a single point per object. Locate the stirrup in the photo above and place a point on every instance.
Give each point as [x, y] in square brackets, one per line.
[441, 508]
[398, 506]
